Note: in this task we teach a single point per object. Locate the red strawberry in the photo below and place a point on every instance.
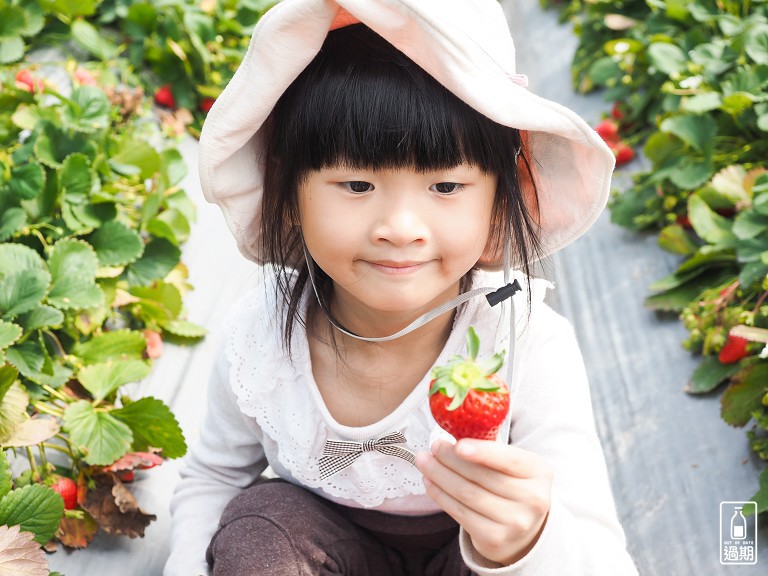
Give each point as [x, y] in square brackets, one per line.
[25, 81]
[164, 97]
[205, 104]
[735, 349]
[623, 154]
[608, 130]
[67, 489]
[467, 398]
[683, 220]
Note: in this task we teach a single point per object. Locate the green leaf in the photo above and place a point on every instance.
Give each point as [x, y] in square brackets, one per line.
[13, 410]
[27, 357]
[104, 378]
[710, 374]
[11, 221]
[737, 102]
[76, 178]
[696, 131]
[100, 435]
[153, 425]
[756, 43]
[689, 174]
[5, 475]
[88, 109]
[761, 496]
[22, 291]
[71, 8]
[27, 180]
[667, 57]
[116, 244]
[677, 298]
[677, 240]
[171, 225]
[9, 333]
[744, 394]
[162, 294]
[73, 265]
[8, 375]
[749, 224]
[117, 345]
[159, 258]
[709, 225]
[184, 329]
[36, 508]
[174, 168]
[16, 257]
[88, 37]
[139, 154]
[700, 103]
[75, 293]
[41, 317]
[11, 49]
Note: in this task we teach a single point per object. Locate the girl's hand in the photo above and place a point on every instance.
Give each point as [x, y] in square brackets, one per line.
[499, 493]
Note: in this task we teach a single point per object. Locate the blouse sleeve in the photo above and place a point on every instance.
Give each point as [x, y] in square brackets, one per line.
[552, 417]
[227, 458]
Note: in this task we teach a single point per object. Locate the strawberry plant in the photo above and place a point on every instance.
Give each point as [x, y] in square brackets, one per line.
[91, 224]
[690, 79]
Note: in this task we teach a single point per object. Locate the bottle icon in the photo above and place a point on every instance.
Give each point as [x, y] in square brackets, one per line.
[738, 525]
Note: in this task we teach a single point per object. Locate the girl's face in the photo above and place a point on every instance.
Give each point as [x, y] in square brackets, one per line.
[395, 242]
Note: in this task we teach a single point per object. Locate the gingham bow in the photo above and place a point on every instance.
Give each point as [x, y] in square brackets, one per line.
[338, 454]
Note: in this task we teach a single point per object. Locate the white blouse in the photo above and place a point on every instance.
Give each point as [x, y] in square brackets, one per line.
[264, 409]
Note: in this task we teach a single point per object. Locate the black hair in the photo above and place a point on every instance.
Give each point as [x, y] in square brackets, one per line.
[362, 103]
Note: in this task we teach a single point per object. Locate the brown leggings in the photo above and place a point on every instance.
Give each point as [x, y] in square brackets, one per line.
[278, 529]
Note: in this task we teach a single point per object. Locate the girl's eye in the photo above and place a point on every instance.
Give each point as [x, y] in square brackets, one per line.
[358, 186]
[446, 187]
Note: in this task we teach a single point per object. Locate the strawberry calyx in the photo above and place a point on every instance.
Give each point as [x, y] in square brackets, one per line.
[461, 375]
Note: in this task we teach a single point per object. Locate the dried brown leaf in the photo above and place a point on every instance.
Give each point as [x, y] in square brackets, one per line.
[20, 555]
[77, 532]
[114, 508]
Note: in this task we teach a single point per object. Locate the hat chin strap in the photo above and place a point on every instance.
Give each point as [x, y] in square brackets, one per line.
[493, 295]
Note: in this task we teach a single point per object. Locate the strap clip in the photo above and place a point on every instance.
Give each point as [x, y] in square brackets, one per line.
[503, 293]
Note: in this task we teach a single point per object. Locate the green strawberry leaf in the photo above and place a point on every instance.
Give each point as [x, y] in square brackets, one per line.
[88, 37]
[27, 180]
[87, 110]
[676, 239]
[117, 345]
[159, 258]
[171, 225]
[22, 291]
[104, 378]
[710, 374]
[8, 375]
[473, 343]
[744, 394]
[11, 221]
[27, 356]
[153, 425]
[6, 475]
[100, 435]
[162, 298]
[696, 131]
[9, 333]
[184, 329]
[761, 496]
[41, 317]
[709, 225]
[71, 257]
[116, 244]
[36, 508]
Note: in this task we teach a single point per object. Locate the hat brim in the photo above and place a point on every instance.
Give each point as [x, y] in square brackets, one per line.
[466, 46]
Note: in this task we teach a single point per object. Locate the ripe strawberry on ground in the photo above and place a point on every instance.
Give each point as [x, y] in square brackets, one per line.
[734, 349]
[164, 97]
[67, 489]
[467, 398]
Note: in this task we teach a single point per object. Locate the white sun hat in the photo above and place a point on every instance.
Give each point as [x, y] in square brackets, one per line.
[465, 45]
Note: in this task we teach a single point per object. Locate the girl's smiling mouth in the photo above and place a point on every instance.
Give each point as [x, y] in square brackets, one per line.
[396, 268]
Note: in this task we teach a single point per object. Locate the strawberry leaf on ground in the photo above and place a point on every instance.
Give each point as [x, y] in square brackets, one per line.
[20, 554]
[120, 344]
[153, 425]
[36, 508]
[105, 377]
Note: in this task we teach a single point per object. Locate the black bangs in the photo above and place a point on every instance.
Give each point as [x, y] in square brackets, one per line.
[364, 104]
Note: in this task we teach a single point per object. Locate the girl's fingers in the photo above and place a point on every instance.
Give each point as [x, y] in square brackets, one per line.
[506, 459]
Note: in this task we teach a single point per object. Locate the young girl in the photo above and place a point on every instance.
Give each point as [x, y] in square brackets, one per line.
[385, 164]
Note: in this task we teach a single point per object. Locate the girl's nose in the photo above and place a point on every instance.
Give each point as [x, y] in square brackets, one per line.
[401, 224]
